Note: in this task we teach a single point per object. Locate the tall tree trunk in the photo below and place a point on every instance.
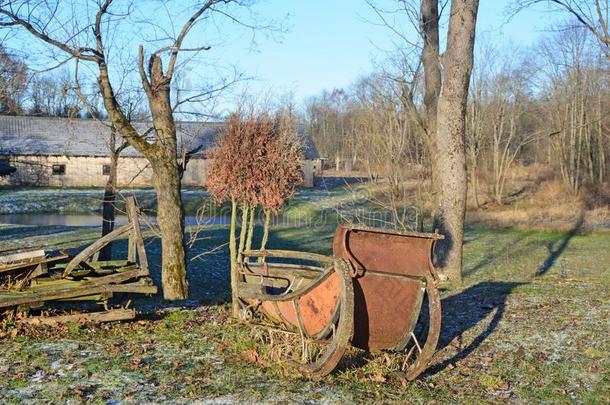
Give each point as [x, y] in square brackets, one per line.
[451, 127]
[164, 162]
[432, 84]
[108, 204]
[170, 216]
[162, 156]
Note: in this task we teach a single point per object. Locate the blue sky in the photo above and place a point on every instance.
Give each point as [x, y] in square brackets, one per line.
[330, 43]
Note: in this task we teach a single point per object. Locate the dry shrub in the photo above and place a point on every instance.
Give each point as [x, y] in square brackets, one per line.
[257, 161]
[552, 193]
[596, 196]
[542, 200]
[550, 206]
[536, 172]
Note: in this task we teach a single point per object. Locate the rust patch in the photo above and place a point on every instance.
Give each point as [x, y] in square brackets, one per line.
[392, 269]
[318, 307]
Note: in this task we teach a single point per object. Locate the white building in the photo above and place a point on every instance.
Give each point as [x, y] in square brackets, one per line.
[63, 152]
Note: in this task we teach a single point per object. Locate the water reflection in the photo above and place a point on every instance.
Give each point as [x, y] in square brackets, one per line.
[90, 220]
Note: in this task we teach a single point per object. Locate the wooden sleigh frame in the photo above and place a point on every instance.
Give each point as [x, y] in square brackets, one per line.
[369, 294]
[43, 278]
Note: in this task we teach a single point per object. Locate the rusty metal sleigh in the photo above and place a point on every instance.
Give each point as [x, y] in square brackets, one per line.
[372, 293]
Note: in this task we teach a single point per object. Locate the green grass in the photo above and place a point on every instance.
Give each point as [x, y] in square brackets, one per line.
[529, 324]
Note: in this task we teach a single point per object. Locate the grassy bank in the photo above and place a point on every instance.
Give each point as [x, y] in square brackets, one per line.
[529, 324]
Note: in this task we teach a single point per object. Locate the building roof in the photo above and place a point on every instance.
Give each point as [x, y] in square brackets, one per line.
[52, 136]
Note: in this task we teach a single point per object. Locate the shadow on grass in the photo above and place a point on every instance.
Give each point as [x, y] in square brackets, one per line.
[556, 248]
[505, 250]
[466, 310]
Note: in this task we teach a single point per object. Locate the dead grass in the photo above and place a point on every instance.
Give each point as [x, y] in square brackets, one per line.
[548, 206]
[535, 198]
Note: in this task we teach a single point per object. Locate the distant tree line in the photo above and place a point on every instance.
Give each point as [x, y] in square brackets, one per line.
[25, 92]
[549, 104]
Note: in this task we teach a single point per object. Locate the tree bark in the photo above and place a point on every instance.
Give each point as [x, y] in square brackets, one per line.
[166, 170]
[170, 216]
[108, 204]
[450, 136]
[432, 83]
[233, 254]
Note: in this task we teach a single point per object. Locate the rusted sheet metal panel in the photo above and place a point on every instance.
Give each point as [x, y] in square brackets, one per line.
[392, 268]
[315, 311]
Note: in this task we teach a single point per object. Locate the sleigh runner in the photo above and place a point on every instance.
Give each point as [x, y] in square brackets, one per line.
[369, 294]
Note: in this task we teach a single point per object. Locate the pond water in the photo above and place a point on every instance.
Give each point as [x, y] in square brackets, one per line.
[90, 220]
[81, 207]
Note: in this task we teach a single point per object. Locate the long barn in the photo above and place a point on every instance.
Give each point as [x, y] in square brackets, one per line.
[65, 152]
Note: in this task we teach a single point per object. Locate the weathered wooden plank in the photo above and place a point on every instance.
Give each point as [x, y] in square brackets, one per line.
[40, 270]
[17, 257]
[115, 264]
[94, 247]
[116, 278]
[28, 297]
[285, 270]
[137, 233]
[289, 254]
[94, 317]
[94, 297]
[30, 263]
[131, 248]
[48, 284]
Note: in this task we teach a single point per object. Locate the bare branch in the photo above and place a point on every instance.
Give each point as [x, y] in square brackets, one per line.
[83, 53]
[185, 30]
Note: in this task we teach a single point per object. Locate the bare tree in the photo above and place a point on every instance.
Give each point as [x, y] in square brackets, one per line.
[575, 107]
[457, 62]
[592, 14]
[86, 42]
[14, 76]
[330, 122]
[52, 94]
[442, 112]
[504, 102]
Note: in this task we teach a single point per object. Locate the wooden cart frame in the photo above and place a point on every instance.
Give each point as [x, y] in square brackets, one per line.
[43, 278]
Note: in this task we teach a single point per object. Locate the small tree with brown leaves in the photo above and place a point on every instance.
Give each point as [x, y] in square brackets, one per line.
[257, 163]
